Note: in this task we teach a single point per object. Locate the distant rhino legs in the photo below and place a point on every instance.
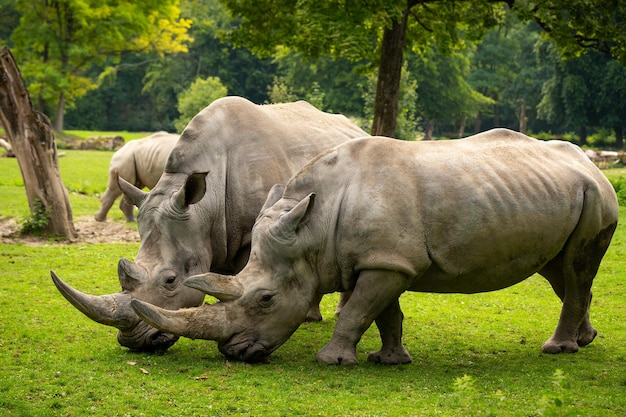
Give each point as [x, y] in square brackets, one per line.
[368, 300]
[128, 209]
[106, 202]
[389, 324]
[314, 313]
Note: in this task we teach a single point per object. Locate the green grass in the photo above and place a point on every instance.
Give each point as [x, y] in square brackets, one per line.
[473, 355]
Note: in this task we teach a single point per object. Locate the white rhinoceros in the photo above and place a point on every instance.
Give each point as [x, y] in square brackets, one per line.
[380, 217]
[141, 163]
[199, 216]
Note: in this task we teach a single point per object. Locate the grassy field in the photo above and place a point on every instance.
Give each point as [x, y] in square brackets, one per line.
[473, 355]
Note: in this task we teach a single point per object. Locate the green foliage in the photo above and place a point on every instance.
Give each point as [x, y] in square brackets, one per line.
[37, 222]
[279, 91]
[58, 43]
[200, 94]
[620, 189]
[555, 402]
[575, 29]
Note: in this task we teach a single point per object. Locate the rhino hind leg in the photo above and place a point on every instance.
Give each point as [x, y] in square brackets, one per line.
[389, 324]
[368, 300]
[571, 275]
[128, 208]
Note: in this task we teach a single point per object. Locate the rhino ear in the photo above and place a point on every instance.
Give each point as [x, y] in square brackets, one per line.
[133, 193]
[193, 190]
[288, 224]
[273, 196]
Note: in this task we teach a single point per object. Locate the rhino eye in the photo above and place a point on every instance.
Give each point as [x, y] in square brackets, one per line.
[266, 300]
[170, 280]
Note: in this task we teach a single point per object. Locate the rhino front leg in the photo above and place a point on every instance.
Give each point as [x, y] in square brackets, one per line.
[374, 291]
[389, 324]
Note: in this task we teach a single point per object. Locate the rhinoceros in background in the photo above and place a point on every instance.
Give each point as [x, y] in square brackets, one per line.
[199, 216]
[381, 217]
[141, 163]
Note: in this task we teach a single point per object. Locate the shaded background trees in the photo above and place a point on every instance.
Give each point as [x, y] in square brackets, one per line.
[465, 66]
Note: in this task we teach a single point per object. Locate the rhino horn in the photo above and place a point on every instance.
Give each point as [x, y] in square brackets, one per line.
[205, 322]
[131, 276]
[288, 224]
[111, 310]
[133, 193]
[222, 287]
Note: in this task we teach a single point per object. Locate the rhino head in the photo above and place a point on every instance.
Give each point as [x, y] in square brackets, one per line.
[261, 306]
[166, 257]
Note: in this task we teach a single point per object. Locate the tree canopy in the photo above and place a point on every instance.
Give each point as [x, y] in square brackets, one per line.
[58, 42]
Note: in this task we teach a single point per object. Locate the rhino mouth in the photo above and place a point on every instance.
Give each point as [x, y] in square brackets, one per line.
[145, 338]
[246, 351]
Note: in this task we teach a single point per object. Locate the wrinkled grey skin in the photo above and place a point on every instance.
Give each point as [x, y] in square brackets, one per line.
[141, 163]
[199, 216]
[381, 217]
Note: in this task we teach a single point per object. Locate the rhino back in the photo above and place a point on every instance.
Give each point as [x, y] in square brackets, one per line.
[491, 209]
[151, 155]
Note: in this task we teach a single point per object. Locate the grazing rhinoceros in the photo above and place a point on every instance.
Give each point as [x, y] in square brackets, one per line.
[199, 216]
[141, 163]
[381, 217]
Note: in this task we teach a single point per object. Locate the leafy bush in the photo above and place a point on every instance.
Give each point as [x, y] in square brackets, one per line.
[37, 222]
[620, 189]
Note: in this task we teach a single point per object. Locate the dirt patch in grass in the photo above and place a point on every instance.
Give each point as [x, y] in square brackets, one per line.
[87, 228]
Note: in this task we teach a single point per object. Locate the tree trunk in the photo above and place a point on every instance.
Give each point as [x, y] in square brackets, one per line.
[478, 123]
[523, 120]
[462, 127]
[619, 137]
[389, 74]
[59, 119]
[583, 135]
[430, 127]
[33, 143]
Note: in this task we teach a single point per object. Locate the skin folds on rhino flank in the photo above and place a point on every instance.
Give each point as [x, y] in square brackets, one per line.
[381, 217]
[199, 216]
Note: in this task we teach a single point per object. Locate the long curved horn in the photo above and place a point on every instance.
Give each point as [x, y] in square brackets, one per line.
[111, 310]
[222, 287]
[205, 322]
[133, 193]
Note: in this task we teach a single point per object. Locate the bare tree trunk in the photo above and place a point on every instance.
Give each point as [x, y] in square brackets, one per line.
[583, 135]
[430, 127]
[33, 143]
[389, 74]
[462, 127]
[619, 137]
[478, 123]
[59, 119]
[523, 120]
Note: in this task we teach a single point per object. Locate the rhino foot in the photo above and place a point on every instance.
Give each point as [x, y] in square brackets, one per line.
[390, 356]
[313, 315]
[586, 334]
[331, 356]
[564, 346]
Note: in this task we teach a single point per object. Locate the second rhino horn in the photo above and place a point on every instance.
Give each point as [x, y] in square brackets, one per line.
[222, 287]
